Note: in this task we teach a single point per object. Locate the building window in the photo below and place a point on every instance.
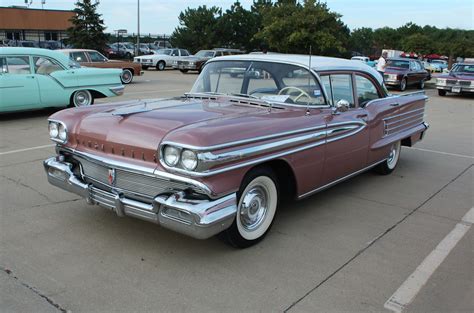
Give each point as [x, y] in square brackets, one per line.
[14, 35]
[50, 36]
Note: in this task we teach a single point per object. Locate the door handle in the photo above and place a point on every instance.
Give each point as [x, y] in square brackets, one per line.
[395, 104]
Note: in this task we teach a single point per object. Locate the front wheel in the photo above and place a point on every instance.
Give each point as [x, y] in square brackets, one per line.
[82, 98]
[441, 92]
[257, 205]
[387, 166]
[183, 71]
[126, 77]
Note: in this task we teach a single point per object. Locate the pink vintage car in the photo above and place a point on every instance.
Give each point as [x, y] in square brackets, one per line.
[253, 129]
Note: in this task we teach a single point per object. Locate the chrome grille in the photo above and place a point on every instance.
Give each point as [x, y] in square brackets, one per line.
[403, 121]
[128, 181]
[464, 83]
[451, 81]
[183, 62]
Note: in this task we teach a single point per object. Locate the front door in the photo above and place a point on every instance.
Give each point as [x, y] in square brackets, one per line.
[347, 132]
[18, 86]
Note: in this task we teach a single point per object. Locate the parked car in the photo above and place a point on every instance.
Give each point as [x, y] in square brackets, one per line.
[51, 44]
[366, 60]
[123, 49]
[439, 65]
[23, 43]
[220, 159]
[402, 72]
[92, 58]
[144, 49]
[162, 59]
[427, 66]
[33, 78]
[160, 44]
[197, 61]
[459, 80]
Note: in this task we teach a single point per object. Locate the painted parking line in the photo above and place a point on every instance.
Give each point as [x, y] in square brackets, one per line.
[410, 288]
[444, 153]
[26, 149]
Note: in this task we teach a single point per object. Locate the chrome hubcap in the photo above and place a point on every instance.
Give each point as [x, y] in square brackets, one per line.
[82, 99]
[392, 157]
[254, 207]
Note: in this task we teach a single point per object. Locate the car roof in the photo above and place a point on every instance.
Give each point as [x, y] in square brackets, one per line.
[36, 51]
[318, 63]
[75, 50]
[402, 59]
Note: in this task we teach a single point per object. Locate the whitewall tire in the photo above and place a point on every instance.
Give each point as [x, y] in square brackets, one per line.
[387, 166]
[256, 209]
[126, 77]
[82, 98]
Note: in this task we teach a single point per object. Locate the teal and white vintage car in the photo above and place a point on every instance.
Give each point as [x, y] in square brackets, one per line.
[32, 78]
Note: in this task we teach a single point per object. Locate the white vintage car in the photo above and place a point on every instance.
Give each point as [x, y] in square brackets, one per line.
[162, 59]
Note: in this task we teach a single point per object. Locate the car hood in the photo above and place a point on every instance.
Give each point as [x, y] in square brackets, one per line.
[194, 58]
[135, 129]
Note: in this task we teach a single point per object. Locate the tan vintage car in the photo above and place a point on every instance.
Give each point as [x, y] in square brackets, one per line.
[92, 58]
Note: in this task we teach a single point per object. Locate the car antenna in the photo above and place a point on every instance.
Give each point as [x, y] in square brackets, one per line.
[309, 80]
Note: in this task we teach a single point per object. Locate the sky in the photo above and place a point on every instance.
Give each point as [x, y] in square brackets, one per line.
[161, 16]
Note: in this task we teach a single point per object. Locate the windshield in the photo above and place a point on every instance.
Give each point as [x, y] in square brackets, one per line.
[129, 46]
[205, 54]
[164, 51]
[464, 68]
[398, 63]
[274, 82]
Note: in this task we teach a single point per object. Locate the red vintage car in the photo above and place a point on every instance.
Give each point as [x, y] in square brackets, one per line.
[459, 80]
[403, 72]
[219, 159]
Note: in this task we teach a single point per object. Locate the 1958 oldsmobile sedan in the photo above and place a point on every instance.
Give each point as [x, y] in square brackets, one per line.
[219, 159]
[33, 78]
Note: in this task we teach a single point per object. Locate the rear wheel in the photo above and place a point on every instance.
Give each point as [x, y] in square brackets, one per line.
[160, 66]
[421, 85]
[391, 162]
[127, 76]
[403, 84]
[257, 205]
[441, 92]
[82, 98]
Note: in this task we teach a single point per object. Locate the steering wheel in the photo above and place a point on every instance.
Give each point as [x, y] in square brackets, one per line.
[302, 92]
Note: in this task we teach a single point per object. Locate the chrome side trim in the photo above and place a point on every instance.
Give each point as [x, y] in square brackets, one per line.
[407, 118]
[243, 141]
[141, 170]
[339, 180]
[320, 137]
[404, 113]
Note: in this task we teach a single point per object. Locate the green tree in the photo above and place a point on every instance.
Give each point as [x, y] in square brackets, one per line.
[419, 43]
[87, 30]
[236, 27]
[292, 27]
[386, 38]
[198, 28]
[362, 41]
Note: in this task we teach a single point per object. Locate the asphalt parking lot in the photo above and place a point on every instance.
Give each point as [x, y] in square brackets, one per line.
[347, 249]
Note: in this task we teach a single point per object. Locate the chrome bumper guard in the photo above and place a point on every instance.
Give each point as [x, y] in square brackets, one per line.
[200, 219]
[117, 90]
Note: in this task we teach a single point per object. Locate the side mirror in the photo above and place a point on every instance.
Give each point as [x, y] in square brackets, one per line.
[341, 106]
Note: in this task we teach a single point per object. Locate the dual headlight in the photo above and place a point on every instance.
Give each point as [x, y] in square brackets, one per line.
[57, 131]
[441, 81]
[392, 76]
[174, 157]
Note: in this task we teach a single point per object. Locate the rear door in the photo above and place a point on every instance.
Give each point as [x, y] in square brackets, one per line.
[347, 132]
[18, 86]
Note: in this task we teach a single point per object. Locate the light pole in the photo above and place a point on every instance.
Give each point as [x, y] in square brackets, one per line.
[138, 28]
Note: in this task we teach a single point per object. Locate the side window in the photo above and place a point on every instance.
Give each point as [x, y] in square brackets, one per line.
[79, 57]
[18, 65]
[341, 88]
[366, 90]
[46, 66]
[327, 86]
[175, 53]
[96, 57]
[184, 53]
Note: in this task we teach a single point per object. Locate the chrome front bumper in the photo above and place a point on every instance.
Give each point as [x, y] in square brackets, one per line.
[200, 219]
[118, 90]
